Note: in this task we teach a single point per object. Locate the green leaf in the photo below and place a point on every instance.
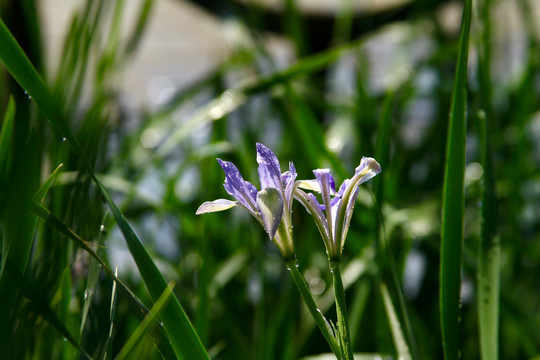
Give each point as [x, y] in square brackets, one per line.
[29, 291]
[42, 191]
[453, 201]
[5, 137]
[182, 336]
[145, 325]
[397, 333]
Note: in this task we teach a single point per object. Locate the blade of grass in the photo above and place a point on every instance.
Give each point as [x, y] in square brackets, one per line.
[453, 201]
[94, 269]
[144, 326]
[6, 136]
[43, 309]
[42, 191]
[112, 313]
[182, 336]
[383, 155]
[56, 223]
[5, 155]
[397, 333]
[489, 257]
[489, 254]
[140, 25]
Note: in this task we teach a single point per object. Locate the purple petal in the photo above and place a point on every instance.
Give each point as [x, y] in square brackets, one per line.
[348, 216]
[235, 185]
[325, 181]
[288, 178]
[313, 198]
[269, 171]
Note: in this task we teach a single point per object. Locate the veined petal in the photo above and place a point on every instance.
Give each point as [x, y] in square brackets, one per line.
[348, 216]
[324, 177]
[270, 204]
[288, 178]
[216, 205]
[269, 171]
[237, 187]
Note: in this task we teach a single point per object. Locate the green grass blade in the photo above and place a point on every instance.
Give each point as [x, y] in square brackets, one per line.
[5, 154]
[94, 269]
[56, 223]
[489, 257]
[112, 313]
[41, 306]
[397, 333]
[145, 325]
[22, 70]
[453, 201]
[6, 136]
[140, 25]
[489, 252]
[182, 336]
[42, 191]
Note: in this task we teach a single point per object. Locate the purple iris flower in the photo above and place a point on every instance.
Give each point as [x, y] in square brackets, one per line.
[333, 216]
[271, 206]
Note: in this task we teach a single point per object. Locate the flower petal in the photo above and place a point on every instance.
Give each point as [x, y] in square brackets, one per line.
[367, 169]
[237, 187]
[269, 171]
[270, 205]
[288, 178]
[326, 182]
[216, 205]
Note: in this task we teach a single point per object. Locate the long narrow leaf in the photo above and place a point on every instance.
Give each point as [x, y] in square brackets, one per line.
[40, 305]
[453, 201]
[182, 336]
[397, 333]
[144, 326]
[489, 252]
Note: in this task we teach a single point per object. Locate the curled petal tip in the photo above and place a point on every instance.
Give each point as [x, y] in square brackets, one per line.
[373, 165]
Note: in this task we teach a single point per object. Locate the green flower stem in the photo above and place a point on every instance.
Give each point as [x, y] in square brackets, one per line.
[341, 309]
[320, 320]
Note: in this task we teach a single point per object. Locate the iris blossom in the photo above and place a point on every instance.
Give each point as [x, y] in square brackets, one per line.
[333, 216]
[271, 206]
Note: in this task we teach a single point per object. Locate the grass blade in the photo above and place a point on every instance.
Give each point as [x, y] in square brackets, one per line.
[182, 336]
[144, 326]
[395, 326]
[108, 346]
[489, 258]
[453, 201]
[6, 136]
[489, 253]
[42, 308]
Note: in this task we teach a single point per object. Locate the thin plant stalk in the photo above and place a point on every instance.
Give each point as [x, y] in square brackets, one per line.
[454, 202]
[317, 315]
[341, 309]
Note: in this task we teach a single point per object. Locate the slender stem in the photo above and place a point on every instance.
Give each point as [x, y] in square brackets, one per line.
[317, 315]
[341, 309]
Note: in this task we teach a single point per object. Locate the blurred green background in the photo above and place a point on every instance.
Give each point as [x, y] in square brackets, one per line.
[155, 91]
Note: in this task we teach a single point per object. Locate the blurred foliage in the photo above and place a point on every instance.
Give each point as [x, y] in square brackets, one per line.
[374, 85]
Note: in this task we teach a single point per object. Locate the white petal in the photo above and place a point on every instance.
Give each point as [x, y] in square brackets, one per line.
[216, 205]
